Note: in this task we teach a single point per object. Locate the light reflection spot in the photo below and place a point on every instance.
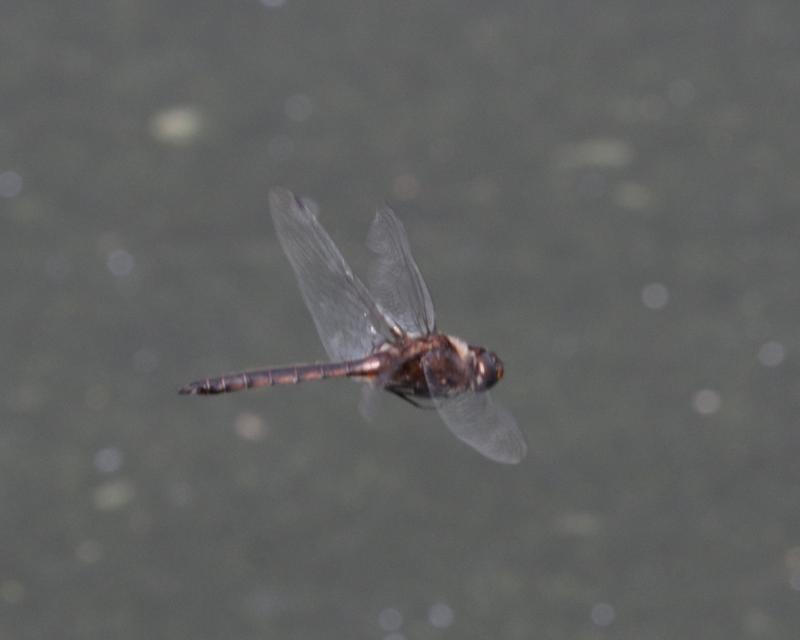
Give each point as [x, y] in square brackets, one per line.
[608, 153]
[793, 559]
[176, 125]
[578, 523]
[440, 615]
[108, 460]
[120, 263]
[706, 401]
[390, 619]
[603, 614]
[113, 496]
[655, 296]
[771, 354]
[250, 426]
[10, 184]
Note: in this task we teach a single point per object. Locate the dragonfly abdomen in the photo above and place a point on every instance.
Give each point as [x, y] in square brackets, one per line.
[274, 376]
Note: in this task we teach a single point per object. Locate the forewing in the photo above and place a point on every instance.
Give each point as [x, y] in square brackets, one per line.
[475, 419]
[394, 278]
[347, 319]
[371, 396]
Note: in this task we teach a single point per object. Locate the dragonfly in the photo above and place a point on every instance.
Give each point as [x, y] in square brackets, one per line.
[383, 333]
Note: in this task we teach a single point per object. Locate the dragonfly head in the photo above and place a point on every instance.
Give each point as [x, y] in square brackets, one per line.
[488, 369]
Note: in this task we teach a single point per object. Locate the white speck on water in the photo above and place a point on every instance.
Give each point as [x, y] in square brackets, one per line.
[176, 125]
[706, 401]
[609, 153]
[771, 354]
[250, 426]
[578, 523]
[390, 619]
[108, 460]
[298, 107]
[603, 614]
[655, 296]
[440, 615]
[793, 566]
[10, 184]
[145, 360]
[120, 263]
[113, 496]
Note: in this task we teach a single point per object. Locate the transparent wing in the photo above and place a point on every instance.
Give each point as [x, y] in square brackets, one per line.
[474, 418]
[371, 397]
[394, 278]
[347, 319]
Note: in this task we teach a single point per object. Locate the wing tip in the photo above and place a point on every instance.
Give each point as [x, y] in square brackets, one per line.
[280, 197]
[510, 448]
[511, 456]
[285, 204]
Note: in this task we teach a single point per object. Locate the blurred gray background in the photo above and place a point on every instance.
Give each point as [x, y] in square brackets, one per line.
[605, 193]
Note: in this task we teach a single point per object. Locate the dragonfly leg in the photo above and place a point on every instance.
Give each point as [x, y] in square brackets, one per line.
[409, 399]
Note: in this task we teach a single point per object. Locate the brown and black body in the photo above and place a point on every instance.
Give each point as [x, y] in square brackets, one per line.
[438, 365]
[291, 374]
[399, 367]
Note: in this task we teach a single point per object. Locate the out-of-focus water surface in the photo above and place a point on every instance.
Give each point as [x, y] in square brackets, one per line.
[605, 193]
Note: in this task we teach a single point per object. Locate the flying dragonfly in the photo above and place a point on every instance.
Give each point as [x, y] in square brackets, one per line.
[384, 333]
